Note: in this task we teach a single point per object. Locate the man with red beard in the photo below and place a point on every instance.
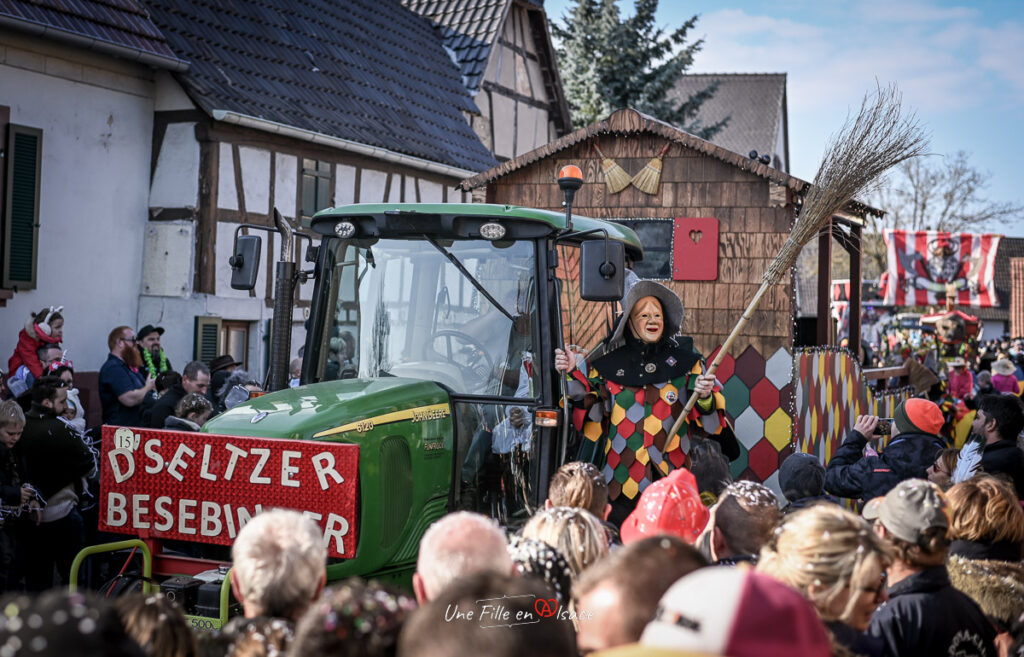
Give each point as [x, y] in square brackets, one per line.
[632, 393]
[123, 387]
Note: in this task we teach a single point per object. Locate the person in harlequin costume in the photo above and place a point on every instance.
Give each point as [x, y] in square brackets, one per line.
[633, 392]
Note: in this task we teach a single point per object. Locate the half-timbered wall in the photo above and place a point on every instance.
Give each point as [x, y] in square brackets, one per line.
[209, 178]
[514, 103]
[752, 228]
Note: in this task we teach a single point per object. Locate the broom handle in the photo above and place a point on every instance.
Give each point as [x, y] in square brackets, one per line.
[598, 150]
[721, 354]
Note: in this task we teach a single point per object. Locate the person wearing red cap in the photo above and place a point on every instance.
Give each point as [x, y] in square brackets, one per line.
[913, 448]
[668, 506]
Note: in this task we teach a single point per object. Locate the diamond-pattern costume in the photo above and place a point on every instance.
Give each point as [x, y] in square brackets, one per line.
[626, 427]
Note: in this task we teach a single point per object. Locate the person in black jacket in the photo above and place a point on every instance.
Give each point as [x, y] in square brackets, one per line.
[802, 480]
[56, 461]
[999, 421]
[925, 614]
[194, 378]
[17, 497]
[908, 455]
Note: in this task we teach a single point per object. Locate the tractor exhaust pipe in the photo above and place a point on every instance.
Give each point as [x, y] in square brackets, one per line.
[284, 300]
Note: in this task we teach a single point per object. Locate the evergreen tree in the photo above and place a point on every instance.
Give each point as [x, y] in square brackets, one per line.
[609, 63]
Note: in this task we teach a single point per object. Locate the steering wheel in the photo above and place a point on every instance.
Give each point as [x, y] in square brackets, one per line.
[478, 363]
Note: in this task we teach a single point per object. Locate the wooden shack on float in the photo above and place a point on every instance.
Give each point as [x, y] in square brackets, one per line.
[711, 221]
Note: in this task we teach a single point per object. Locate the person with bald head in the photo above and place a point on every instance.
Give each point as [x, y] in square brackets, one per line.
[643, 376]
[455, 546]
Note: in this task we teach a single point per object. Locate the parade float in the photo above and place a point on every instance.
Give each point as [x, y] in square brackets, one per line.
[428, 358]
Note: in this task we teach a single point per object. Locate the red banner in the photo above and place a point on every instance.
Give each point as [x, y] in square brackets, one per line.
[203, 487]
[925, 266]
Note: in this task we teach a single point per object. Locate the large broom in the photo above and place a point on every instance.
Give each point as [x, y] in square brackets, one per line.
[867, 145]
[615, 177]
[649, 178]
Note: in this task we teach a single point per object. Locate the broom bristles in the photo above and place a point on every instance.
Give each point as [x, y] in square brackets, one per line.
[649, 178]
[867, 146]
[855, 159]
[615, 177]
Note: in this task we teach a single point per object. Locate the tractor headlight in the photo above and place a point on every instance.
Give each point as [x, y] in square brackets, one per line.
[492, 231]
[344, 229]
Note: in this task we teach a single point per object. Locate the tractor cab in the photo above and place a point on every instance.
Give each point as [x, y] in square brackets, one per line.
[466, 297]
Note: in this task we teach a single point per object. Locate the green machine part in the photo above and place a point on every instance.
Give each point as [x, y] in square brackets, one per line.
[405, 435]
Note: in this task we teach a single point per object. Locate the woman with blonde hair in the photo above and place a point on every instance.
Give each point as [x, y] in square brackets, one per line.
[838, 563]
[576, 533]
[987, 528]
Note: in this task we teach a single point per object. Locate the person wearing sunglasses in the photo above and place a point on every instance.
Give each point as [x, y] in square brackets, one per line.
[64, 370]
[837, 562]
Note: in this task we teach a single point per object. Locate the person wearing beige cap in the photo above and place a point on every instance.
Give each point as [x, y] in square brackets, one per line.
[925, 614]
[914, 445]
[1004, 376]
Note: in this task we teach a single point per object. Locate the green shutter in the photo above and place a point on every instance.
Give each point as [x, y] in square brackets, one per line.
[207, 339]
[21, 207]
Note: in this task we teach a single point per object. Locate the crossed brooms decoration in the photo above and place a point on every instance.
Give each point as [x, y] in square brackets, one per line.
[616, 179]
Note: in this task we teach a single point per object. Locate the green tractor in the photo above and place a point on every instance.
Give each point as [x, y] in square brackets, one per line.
[429, 345]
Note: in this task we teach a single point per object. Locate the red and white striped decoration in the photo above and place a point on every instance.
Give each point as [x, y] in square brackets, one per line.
[923, 263]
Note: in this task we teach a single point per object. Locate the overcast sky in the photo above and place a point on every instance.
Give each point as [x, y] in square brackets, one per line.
[960, 66]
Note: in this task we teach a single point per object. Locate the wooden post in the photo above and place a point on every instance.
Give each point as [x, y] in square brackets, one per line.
[825, 284]
[856, 256]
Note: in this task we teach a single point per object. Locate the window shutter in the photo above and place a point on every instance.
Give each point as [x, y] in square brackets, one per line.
[207, 339]
[21, 207]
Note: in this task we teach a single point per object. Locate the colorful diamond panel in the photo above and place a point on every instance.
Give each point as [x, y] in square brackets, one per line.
[758, 400]
[830, 394]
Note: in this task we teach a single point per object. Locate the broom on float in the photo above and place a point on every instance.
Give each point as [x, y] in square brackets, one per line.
[615, 177]
[878, 138]
[649, 178]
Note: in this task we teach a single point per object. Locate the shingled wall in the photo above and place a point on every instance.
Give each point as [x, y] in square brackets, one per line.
[752, 227]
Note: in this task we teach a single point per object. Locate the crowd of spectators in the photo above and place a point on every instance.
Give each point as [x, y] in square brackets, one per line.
[922, 571]
[931, 565]
[48, 453]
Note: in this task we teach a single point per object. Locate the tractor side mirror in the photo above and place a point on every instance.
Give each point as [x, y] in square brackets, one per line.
[245, 263]
[602, 270]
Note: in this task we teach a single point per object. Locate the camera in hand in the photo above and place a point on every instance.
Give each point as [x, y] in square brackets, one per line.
[884, 426]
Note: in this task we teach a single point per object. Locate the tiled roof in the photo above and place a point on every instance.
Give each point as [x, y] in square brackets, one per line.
[368, 71]
[752, 101]
[120, 25]
[630, 121]
[1009, 247]
[469, 29]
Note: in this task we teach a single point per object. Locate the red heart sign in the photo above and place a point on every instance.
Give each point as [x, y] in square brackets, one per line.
[546, 608]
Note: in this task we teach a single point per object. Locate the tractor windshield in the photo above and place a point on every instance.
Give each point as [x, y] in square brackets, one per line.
[459, 312]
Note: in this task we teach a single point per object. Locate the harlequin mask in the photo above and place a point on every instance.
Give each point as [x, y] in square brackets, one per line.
[646, 320]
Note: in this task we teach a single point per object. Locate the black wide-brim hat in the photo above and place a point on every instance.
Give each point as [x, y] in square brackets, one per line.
[221, 362]
[671, 306]
[147, 329]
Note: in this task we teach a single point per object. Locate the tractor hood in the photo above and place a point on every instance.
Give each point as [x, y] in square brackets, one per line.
[332, 410]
